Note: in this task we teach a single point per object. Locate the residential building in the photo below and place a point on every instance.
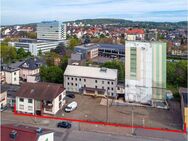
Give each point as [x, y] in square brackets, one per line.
[10, 74]
[30, 67]
[90, 80]
[184, 105]
[35, 46]
[40, 98]
[145, 73]
[3, 98]
[134, 34]
[51, 30]
[18, 132]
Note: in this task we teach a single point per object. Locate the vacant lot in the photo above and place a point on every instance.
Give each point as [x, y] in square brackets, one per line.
[89, 108]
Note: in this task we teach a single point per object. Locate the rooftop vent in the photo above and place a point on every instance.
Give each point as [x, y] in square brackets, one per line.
[39, 130]
[103, 69]
[13, 134]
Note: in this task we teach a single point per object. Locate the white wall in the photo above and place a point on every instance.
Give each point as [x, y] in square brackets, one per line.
[3, 99]
[90, 82]
[46, 137]
[12, 77]
[27, 107]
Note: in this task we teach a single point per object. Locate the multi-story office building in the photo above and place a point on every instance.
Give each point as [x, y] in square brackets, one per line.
[90, 80]
[53, 30]
[145, 73]
[34, 46]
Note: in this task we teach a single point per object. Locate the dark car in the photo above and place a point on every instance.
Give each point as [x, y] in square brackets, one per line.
[70, 95]
[64, 124]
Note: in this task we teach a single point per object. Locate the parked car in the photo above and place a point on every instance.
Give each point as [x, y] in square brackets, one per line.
[70, 107]
[3, 108]
[64, 124]
[70, 95]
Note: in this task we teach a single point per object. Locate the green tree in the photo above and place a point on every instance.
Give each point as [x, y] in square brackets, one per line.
[52, 74]
[12, 53]
[116, 65]
[21, 53]
[74, 42]
[40, 52]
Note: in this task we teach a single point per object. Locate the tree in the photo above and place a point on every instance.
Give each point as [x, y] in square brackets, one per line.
[116, 65]
[12, 53]
[52, 74]
[74, 42]
[60, 49]
[40, 52]
[21, 53]
[50, 58]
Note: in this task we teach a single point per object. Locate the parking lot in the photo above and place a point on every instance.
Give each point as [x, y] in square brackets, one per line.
[89, 108]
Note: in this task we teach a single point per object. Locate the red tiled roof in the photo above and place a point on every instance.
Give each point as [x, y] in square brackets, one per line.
[24, 133]
[40, 91]
[135, 31]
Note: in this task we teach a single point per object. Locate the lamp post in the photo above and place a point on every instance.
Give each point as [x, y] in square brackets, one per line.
[133, 132]
[107, 107]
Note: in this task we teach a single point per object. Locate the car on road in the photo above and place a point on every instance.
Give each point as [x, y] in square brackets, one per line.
[70, 95]
[71, 106]
[64, 124]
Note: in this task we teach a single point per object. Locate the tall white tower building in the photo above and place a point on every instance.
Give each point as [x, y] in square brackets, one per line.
[51, 30]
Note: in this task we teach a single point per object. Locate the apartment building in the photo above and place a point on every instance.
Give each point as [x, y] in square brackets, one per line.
[145, 73]
[51, 30]
[91, 80]
[134, 34]
[3, 98]
[40, 98]
[10, 74]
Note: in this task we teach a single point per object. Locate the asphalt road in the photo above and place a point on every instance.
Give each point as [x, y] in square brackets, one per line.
[78, 134]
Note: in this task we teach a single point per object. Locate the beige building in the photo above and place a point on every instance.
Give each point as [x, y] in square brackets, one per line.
[90, 80]
[10, 75]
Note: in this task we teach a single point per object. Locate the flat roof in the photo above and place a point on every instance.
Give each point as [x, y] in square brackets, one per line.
[91, 72]
[112, 46]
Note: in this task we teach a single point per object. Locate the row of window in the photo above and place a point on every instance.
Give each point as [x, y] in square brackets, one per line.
[29, 100]
[96, 81]
[21, 107]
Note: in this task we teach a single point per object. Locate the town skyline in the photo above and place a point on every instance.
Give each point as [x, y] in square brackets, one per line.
[136, 10]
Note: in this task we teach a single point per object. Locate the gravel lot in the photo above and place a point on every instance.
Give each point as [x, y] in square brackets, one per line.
[89, 108]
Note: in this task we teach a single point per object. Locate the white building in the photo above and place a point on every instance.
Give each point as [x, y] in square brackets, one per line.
[91, 80]
[35, 46]
[11, 75]
[53, 30]
[40, 98]
[145, 73]
[3, 98]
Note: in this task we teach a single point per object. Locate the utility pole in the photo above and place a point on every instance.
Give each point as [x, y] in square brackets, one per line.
[133, 133]
[107, 107]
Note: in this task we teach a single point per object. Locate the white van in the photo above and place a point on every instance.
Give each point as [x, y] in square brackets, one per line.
[70, 107]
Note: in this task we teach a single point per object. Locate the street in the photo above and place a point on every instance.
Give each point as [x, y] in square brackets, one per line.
[92, 132]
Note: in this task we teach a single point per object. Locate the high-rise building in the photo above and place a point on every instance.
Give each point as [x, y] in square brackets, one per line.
[53, 30]
[145, 71]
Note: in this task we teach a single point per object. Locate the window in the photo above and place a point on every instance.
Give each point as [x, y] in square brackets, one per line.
[60, 105]
[84, 85]
[68, 78]
[72, 84]
[112, 89]
[95, 81]
[14, 79]
[108, 88]
[30, 101]
[30, 108]
[68, 83]
[76, 79]
[14, 73]
[112, 83]
[96, 87]
[102, 82]
[75, 84]
[84, 80]
[21, 100]
[80, 79]
[72, 78]
[118, 88]
[21, 107]
[60, 97]
[108, 82]
[102, 87]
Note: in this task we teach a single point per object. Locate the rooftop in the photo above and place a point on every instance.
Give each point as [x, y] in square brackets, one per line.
[112, 46]
[8, 68]
[23, 133]
[40, 91]
[91, 72]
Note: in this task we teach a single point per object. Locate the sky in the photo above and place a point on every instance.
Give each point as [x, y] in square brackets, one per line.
[31, 11]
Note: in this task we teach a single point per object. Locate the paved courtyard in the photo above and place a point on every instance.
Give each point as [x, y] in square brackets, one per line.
[89, 108]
